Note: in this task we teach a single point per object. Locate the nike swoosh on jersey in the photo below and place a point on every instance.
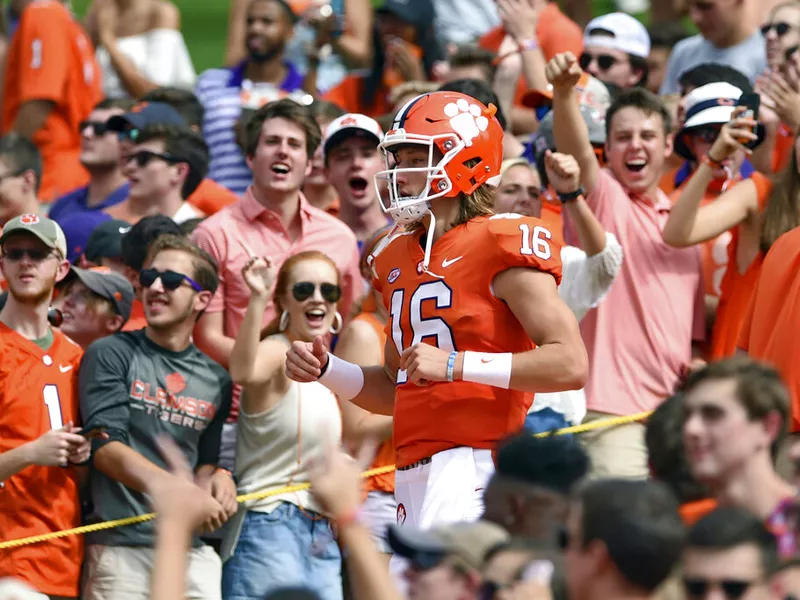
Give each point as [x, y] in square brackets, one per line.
[64, 369]
[446, 263]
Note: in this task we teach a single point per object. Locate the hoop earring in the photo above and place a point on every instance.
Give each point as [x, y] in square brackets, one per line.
[284, 321]
[337, 328]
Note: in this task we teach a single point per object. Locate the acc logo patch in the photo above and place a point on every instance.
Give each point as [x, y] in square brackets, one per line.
[393, 275]
[401, 514]
[29, 219]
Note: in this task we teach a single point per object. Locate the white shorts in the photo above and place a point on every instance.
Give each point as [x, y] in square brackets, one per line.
[448, 489]
[379, 511]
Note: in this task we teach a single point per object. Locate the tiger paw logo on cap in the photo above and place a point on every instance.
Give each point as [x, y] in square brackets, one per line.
[29, 219]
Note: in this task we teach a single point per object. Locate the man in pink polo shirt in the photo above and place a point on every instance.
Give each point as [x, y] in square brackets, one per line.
[641, 339]
[272, 219]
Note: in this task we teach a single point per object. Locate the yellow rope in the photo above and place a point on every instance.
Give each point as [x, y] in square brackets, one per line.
[35, 539]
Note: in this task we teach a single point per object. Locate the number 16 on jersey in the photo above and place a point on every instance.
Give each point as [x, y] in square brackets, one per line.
[436, 292]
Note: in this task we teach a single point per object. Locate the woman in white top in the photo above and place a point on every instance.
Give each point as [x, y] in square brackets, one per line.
[587, 273]
[139, 46]
[283, 540]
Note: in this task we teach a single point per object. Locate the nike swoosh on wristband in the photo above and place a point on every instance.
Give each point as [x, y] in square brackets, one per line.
[486, 360]
[446, 263]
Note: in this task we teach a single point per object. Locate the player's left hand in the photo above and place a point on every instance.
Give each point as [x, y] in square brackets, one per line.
[223, 489]
[424, 363]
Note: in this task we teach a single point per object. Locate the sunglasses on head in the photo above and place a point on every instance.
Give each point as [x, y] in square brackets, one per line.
[732, 588]
[303, 290]
[604, 61]
[35, 254]
[781, 29]
[170, 280]
[99, 128]
[143, 157]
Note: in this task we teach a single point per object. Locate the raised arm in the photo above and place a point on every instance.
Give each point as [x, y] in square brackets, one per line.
[569, 128]
[688, 222]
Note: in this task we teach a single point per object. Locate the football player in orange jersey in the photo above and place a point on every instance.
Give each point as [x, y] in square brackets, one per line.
[476, 325]
[38, 407]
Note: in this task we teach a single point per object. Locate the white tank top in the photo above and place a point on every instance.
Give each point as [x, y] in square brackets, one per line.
[273, 447]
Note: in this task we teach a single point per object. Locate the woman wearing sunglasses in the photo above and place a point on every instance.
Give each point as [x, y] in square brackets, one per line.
[284, 539]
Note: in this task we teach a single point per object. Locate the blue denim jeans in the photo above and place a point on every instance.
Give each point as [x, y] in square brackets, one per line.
[284, 548]
[545, 420]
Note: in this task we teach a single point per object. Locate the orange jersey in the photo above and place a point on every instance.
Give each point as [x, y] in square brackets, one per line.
[385, 455]
[38, 392]
[453, 307]
[210, 197]
[51, 58]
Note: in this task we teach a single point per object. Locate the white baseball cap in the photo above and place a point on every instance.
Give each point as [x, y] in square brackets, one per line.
[351, 125]
[627, 34]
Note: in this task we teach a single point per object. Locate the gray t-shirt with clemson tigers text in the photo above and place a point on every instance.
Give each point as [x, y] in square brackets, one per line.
[138, 390]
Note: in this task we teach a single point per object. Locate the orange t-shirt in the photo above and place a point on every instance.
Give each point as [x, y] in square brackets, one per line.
[51, 58]
[452, 307]
[385, 455]
[209, 197]
[737, 288]
[137, 320]
[38, 392]
[555, 33]
[347, 95]
[769, 330]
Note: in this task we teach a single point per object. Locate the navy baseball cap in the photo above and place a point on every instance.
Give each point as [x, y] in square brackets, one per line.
[144, 114]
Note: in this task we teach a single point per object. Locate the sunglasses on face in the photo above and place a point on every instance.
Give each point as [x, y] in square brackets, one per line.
[170, 280]
[731, 588]
[143, 157]
[34, 254]
[706, 134]
[99, 128]
[303, 290]
[781, 29]
[604, 61]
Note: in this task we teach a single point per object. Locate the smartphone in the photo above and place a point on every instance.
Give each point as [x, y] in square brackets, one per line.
[93, 433]
[752, 102]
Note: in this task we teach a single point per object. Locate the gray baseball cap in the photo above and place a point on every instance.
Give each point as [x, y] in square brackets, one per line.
[107, 284]
[47, 230]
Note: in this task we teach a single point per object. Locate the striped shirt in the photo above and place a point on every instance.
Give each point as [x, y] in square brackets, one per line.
[220, 92]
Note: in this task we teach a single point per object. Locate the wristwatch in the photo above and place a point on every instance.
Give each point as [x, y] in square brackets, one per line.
[571, 195]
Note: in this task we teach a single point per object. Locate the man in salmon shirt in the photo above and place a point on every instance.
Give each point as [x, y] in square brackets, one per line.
[735, 417]
[52, 83]
[476, 323]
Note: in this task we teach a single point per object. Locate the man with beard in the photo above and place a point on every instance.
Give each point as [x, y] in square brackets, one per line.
[39, 443]
[264, 73]
[142, 384]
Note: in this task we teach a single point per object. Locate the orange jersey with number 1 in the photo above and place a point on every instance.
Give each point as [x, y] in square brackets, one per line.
[453, 307]
[38, 392]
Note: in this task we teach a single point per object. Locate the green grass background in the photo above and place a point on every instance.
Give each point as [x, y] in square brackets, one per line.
[205, 25]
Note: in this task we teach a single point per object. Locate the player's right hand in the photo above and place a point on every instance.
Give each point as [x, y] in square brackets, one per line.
[305, 361]
[563, 71]
[53, 448]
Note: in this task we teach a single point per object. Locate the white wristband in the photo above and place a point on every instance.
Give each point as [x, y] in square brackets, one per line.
[343, 378]
[488, 369]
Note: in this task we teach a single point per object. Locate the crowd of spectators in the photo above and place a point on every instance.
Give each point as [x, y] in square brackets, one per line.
[180, 249]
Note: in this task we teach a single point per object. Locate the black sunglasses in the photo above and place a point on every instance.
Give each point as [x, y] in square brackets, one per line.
[303, 290]
[169, 279]
[781, 29]
[35, 254]
[143, 157]
[732, 588]
[604, 61]
[99, 128]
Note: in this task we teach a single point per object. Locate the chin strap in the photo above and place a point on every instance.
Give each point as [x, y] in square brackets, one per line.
[397, 230]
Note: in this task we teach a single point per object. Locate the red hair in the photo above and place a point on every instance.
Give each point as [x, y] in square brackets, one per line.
[282, 283]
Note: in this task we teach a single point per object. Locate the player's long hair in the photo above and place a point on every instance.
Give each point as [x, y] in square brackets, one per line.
[782, 212]
[282, 284]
